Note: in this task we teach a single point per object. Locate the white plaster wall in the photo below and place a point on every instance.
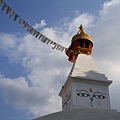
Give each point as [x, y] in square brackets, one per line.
[83, 114]
[67, 98]
[99, 95]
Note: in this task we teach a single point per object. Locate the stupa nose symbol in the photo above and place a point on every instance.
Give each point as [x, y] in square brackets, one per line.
[91, 100]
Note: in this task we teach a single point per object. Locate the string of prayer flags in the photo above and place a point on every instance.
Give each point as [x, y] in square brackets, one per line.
[30, 29]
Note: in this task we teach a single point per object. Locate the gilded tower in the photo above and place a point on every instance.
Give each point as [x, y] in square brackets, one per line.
[81, 43]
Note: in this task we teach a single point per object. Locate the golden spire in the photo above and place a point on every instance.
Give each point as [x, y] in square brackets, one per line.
[81, 35]
[81, 44]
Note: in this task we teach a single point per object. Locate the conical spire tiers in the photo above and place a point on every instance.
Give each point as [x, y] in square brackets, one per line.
[82, 35]
[81, 43]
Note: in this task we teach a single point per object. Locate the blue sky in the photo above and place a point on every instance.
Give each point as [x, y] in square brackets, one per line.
[31, 73]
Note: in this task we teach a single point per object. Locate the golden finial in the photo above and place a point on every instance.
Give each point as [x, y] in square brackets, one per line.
[81, 29]
[82, 35]
[81, 44]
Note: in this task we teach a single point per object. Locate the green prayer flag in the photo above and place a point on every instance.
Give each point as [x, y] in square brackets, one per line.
[4, 6]
[1, 1]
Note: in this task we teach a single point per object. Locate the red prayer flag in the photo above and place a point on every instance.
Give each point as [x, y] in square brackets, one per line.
[8, 10]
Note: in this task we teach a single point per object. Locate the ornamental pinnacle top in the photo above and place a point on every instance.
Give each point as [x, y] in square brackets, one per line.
[81, 44]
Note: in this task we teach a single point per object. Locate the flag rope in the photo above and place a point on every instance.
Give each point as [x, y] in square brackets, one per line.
[30, 29]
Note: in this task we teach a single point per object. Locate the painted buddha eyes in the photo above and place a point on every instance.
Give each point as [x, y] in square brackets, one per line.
[99, 95]
[84, 93]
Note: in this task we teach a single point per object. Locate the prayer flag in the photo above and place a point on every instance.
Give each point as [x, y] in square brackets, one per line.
[16, 16]
[1, 1]
[34, 32]
[51, 42]
[62, 49]
[44, 39]
[54, 45]
[11, 13]
[57, 47]
[48, 41]
[37, 34]
[8, 10]
[29, 28]
[4, 6]
[65, 49]
[40, 37]
[20, 20]
[25, 24]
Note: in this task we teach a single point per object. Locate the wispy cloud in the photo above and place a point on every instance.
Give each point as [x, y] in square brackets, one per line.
[40, 25]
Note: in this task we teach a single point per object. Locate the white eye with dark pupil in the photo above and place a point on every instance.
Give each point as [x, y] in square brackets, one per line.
[99, 96]
[83, 94]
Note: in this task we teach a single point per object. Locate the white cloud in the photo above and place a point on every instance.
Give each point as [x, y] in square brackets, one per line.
[48, 69]
[106, 49]
[35, 92]
[40, 25]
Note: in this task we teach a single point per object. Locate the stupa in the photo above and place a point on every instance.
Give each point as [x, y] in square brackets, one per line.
[85, 94]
